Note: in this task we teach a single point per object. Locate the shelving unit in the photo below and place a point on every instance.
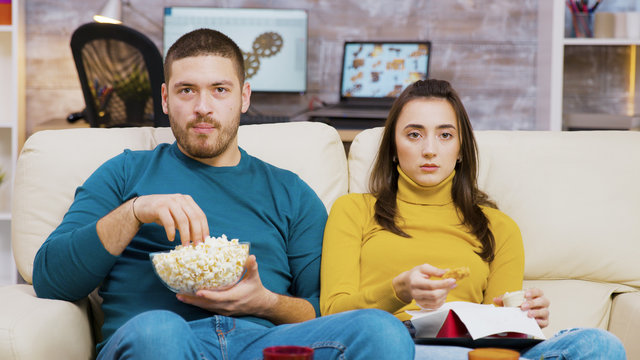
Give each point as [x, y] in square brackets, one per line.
[600, 42]
[551, 62]
[12, 120]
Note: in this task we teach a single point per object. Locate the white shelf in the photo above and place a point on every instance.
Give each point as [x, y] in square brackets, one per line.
[12, 101]
[601, 41]
[552, 43]
[592, 121]
[8, 272]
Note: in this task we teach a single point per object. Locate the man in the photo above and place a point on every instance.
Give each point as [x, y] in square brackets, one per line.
[144, 201]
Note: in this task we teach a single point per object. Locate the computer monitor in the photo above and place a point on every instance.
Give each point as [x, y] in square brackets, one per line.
[380, 70]
[273, 41]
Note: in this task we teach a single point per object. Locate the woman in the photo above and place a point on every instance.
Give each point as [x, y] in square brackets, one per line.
[425, 214]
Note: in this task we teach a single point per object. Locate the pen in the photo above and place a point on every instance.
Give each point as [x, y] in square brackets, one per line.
[573, 6]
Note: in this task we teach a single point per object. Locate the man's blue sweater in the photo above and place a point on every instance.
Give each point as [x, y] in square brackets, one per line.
[272, 208]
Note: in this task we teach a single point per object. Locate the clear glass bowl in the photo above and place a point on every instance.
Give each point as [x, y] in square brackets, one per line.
[187, 269]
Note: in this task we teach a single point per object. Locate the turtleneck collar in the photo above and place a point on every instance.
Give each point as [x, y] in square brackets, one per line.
[414, 193]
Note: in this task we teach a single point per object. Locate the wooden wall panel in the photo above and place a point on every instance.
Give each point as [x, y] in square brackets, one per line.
[487, 49]
[596, 79]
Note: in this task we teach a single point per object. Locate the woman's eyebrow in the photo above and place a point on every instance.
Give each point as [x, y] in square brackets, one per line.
[415, 126]
[447, 126]
[419, 126]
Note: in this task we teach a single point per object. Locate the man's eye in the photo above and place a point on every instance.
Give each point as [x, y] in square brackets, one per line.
[221, 90]
[186, 91]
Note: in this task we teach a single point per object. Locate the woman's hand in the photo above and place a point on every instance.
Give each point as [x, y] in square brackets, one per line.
[535, 304]
[417, 284]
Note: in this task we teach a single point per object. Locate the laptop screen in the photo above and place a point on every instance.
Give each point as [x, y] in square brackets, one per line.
[381, 70]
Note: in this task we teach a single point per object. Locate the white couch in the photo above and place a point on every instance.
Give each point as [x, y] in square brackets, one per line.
[574, 195]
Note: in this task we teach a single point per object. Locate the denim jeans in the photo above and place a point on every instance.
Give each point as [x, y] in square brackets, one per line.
[358, 334]
[574, 344]
[587, 343]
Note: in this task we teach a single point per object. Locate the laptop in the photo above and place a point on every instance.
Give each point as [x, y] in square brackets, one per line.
[373, 75]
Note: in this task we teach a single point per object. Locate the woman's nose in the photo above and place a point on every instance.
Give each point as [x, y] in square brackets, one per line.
[428, 148]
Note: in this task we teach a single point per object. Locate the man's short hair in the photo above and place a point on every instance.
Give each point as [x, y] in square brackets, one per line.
[203, 42]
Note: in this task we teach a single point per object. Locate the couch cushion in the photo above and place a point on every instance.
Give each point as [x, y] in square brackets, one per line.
[53, 163]
[625, 322]
[25, 317]
[312, 150]
[362, 154]
[50, 167]
[577, 303]
[575, 196]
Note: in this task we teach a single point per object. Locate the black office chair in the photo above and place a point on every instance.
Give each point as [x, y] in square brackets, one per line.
[121, 72]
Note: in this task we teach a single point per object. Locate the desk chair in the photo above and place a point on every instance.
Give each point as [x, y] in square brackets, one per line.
[121, 72]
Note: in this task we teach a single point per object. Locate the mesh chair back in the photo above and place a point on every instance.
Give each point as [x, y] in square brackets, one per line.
[120, 72]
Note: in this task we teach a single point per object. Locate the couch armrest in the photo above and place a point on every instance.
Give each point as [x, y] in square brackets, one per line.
[625, 322]
[34, 328]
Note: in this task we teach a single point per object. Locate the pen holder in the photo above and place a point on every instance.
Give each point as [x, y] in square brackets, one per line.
[582, 25]
[604, 24]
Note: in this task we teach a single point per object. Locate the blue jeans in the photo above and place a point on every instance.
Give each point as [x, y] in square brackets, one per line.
[587, 343]
[358, 334]
[591, 344]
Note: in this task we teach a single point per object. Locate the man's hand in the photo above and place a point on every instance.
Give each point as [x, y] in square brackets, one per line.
[250, 297]
[416, 284]
[174, 211]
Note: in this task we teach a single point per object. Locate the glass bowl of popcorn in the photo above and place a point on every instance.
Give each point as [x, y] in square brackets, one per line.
[215, 264]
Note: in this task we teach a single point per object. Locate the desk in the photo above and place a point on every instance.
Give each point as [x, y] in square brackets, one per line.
[59, 124]
[347, 135]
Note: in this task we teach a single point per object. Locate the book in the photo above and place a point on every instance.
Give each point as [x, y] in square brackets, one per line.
[464, 319]
[5, 12]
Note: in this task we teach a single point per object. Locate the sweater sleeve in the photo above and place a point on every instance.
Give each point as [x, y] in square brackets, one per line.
[72, 261]
[304, 248]
[340, 274]
[506, 271]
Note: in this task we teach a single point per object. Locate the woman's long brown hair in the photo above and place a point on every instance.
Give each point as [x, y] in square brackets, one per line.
[465, 193]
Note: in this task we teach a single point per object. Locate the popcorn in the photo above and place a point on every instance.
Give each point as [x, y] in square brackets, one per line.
[214, 263]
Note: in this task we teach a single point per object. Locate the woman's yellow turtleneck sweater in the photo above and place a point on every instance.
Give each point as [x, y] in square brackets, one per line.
[360, 258]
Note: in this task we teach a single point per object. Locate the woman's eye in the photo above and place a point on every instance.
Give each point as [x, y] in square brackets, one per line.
[413, 135]
[446, 135]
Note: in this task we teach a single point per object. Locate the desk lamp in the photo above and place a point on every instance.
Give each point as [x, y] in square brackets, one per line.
[111, 12]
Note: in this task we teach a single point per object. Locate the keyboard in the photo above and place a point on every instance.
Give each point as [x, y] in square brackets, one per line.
[246, 119]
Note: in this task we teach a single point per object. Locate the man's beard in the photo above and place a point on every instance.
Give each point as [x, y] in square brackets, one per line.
[199, 146]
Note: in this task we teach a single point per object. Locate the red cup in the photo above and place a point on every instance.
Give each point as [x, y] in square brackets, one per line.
[288, 353]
